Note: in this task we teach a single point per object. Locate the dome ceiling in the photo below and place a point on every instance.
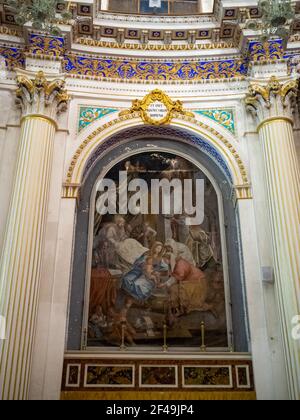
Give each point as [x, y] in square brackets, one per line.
[142, 24]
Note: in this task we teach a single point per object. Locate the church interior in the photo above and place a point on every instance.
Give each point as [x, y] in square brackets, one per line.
[150, 200]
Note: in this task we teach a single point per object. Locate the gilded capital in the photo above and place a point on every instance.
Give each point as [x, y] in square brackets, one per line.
[41, 96]
[272, 100]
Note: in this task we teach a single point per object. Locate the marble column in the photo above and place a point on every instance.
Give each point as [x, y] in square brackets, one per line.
[20, 266]
[273, 105]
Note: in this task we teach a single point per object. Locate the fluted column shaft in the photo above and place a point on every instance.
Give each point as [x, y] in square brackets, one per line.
[21, 258]
[283, 180]
[273, 106]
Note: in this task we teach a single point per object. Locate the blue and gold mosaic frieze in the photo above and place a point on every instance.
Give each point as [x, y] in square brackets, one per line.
[141, 70]
[88, 115]
[46, 45]
[257, 51]
[270, 50]
[149, 70]
[224, 117]
[14, 57]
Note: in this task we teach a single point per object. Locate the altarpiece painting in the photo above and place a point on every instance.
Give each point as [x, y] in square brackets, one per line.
[151, 270]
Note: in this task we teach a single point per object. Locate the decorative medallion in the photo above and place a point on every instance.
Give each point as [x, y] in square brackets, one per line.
[157, 108]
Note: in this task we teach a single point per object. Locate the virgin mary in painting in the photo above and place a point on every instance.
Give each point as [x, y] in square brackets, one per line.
[144, 276]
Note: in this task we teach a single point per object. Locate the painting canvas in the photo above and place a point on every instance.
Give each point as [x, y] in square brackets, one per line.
[153, 269]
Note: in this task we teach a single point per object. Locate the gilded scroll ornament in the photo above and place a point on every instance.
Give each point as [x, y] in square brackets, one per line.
[157, 108]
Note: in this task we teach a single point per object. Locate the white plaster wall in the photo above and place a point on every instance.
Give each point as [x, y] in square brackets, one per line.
[297, 142]
[120, 96]
[9, 139]
[297, 131]
[53, 303]
[46, 375]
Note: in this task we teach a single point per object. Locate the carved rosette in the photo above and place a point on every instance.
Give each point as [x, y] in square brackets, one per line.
[40, 96]
[273, 100]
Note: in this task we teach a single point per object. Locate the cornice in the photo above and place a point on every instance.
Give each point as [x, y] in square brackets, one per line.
[222, 56]
[207, 82]
[11, 32]
[129, 18]
[212, 90]
[156, 47]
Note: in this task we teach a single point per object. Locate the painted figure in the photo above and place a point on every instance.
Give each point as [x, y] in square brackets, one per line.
[106, 242]
[144, 277]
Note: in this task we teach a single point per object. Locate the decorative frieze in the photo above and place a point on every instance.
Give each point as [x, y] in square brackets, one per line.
[145, 46]
[140, 70]
[14, 57]
[117, 68]
[41, 44]
[270, 50]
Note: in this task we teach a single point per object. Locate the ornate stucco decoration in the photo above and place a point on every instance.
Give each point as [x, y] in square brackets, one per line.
[41, 96]
[274, 100]
[156, 108]
[90, 114]
[224, 117]
[155, 47]
[74, 174]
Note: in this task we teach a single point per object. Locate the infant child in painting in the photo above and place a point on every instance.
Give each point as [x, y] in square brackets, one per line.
[97, 322]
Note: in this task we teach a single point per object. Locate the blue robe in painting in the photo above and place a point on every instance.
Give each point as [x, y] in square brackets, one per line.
[136, 283]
